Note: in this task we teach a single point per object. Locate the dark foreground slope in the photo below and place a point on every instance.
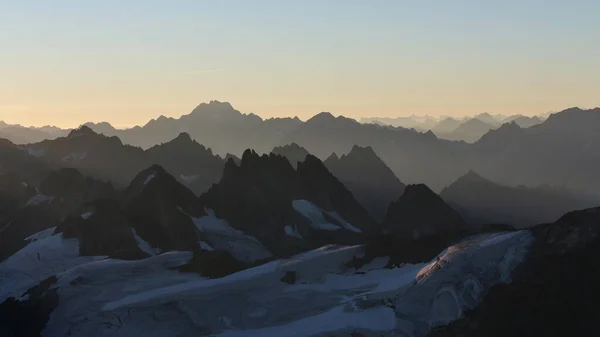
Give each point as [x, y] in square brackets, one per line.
[554, 293]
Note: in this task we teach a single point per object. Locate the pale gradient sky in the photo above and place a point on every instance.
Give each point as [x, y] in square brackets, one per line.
[65, 62]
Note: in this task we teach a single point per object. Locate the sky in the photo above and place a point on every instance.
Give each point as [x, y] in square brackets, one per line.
[65, 62]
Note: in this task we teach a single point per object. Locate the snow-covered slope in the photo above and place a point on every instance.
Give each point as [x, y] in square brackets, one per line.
[312, 294]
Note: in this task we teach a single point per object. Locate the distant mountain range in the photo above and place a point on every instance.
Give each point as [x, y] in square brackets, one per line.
[481, 201]
[288, 242]
[560, 151]
[445, 125]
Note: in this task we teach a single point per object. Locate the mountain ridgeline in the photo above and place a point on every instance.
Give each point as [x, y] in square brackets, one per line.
[516, 150]
[271, 238]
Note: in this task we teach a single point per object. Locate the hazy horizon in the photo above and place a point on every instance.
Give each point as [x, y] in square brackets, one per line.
[438, 117]
[66, 62]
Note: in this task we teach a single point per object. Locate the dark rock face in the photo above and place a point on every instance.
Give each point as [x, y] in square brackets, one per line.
[29, 317]
[18, 162]
[329, 193]
[420, 212]
[62, 194]
[554, 293]
[191, 163]
[21, 223]
[257, 197]
[107, 159]
[483, 202]
[159, 208]
[104, 231]
[70, 191]
[370, 180]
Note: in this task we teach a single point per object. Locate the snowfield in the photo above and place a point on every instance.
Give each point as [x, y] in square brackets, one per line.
[311, 294]
[221, 236]
[317, 217]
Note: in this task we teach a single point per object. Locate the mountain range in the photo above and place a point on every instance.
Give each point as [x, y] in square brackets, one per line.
[328, 227]
[559, 151]
[482, 201]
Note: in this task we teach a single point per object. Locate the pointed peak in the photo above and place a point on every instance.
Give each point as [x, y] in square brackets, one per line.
[233, 158]
[81, 131]
[289, 147]
[418, 189]
[293, 152]
[155, 169]
[430, 134]
[311, 162]
[512, 125]
[333, 157]
[322, 116]
[184, 136]
[366, 151]
[147, 177]
[248, 156]
[472, 176]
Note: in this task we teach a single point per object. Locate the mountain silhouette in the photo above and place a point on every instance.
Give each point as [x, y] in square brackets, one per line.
[558, 151]
[523, 121]
[446, 126]
[370, 180]
[484, 202]
[468, 131]
[293, 152]
[419, 212]
[286, 209]
[193, 164]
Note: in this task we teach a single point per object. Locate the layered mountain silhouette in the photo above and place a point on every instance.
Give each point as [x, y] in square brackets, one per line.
[193, 164]
[216, 125]
[523, 121]
[286, 209]
[419, 212]
[484, 202]
[446, 126]
[469, 131]
[22, 135]
[124, 248]
[108, 159]
[545, 153]
[370, 180]
[421, 123]
[27, 209]
[559, 151]
[293, 152]
[103, 157]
